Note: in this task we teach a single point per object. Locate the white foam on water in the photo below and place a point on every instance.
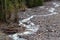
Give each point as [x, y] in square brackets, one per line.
[51, 10]
[32, 23]
[30, 30]
[53, 13]
[27, 26]
[15, 37]
[33, 28]
[55, 4]
[27, 19]
[27, 32]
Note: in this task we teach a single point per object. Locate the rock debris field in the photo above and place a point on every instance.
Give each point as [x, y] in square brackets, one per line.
[40, 23]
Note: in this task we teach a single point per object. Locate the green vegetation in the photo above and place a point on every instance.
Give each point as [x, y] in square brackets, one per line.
[34, 3]
[11, 7]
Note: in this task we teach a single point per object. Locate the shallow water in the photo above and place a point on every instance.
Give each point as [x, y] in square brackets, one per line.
[31, 28]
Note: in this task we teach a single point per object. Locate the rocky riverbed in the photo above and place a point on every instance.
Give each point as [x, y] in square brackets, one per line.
[39, 23]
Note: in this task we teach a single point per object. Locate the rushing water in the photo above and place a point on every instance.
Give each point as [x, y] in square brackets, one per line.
[55, 4]
[31, 28]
